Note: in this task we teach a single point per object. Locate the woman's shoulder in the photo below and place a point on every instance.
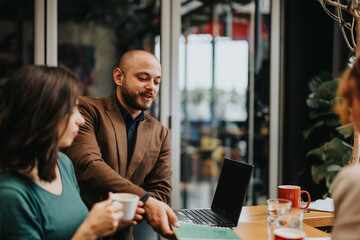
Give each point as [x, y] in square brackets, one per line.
[350, 174]
[13, 185]
[66, 166]
[64, 160]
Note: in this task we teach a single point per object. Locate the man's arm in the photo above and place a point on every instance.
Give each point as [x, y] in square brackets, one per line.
[158, 181]
[95, 177]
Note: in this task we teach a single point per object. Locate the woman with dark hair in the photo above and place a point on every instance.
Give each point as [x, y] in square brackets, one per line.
[346, 188]
[39, 195]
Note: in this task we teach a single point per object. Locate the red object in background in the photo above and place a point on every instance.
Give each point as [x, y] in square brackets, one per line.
[293, 193]
[215, 28]
[240, 29]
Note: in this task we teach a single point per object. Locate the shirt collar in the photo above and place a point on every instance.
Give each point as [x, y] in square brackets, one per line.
[127, 116]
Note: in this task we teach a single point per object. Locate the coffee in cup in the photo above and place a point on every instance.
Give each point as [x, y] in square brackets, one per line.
[289, 234]
[293, 193]
[129, 202]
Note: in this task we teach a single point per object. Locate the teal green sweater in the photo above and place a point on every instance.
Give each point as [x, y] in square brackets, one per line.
[28, 211]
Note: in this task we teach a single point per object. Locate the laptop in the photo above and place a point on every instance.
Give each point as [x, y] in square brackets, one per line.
[228, 199]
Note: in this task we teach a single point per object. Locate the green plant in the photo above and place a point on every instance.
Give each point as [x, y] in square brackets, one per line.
[334, 150]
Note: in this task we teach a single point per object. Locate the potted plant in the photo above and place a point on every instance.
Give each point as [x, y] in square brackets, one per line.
[334, 149]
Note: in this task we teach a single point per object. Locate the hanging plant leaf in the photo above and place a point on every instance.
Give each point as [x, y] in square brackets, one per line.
[317, 80]
[312, 102]
[331, 184]
[332, 162]
[334, 168]
[327, 171]
[346, 156]
[329, 180]
[346, 130]
[308, 131]
[332, 122]
[318, 172]
[327, 90]
[334, 154]
[316, 114]
[324, 95]
[334, 149]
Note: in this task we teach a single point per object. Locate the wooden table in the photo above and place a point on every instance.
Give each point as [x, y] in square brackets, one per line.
[258, 231]
[312, 218]
[253, 223]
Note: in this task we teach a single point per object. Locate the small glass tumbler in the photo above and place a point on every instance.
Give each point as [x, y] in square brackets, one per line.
[276, 207]
[294, 219]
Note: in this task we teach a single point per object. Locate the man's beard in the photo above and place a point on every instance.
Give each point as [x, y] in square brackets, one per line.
[130, 98]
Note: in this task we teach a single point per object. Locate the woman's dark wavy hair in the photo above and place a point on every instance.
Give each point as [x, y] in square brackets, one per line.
[32, 104]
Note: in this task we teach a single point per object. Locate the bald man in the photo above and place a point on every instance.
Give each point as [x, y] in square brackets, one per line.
[122, 149]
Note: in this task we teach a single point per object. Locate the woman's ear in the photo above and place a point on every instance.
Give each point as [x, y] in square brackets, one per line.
[118, 76]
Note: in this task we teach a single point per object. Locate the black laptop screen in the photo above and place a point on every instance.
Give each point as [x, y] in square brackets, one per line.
[231, 189]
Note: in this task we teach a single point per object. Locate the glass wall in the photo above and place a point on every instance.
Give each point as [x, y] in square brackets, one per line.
[224, 56]
[94, 34]
[16, 36]
[223, 73]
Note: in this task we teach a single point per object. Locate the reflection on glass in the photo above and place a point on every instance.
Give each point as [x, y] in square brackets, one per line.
[216, 53]
[231, 78]
[94, 34]
[197, 78]
[16, 36]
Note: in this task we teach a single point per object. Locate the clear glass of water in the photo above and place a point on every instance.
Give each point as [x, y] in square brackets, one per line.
[276, 207]
[294, 219]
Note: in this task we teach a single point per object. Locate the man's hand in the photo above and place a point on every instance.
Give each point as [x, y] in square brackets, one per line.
[159, 216]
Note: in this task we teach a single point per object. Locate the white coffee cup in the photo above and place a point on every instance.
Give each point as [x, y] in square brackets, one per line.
[129, 202]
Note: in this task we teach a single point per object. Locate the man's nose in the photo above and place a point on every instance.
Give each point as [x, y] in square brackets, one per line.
[150, 85]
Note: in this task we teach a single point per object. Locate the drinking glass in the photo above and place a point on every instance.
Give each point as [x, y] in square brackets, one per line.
[289, 226]
[276, 207]
[293, 219]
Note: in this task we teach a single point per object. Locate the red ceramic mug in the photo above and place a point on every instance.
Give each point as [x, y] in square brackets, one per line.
[293, 193]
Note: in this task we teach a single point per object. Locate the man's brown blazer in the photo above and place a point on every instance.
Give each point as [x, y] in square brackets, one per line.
[99, 154]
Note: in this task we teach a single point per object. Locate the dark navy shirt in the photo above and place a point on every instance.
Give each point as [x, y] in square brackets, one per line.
[131, 129]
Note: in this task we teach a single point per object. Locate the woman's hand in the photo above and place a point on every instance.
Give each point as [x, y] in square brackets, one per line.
[103, 219]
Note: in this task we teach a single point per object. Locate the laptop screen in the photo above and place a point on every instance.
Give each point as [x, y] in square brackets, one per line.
[231, 189]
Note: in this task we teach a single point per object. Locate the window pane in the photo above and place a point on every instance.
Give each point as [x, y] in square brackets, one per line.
[94, 34]
[16, 36]
[224, 47]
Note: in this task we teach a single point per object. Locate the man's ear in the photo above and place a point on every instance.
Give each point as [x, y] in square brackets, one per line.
[118, 76]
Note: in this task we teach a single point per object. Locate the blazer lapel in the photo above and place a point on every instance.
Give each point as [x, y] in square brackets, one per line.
[114, 114]
[142, 138]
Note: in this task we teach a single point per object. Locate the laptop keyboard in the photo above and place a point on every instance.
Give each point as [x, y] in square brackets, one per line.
[203, 216]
